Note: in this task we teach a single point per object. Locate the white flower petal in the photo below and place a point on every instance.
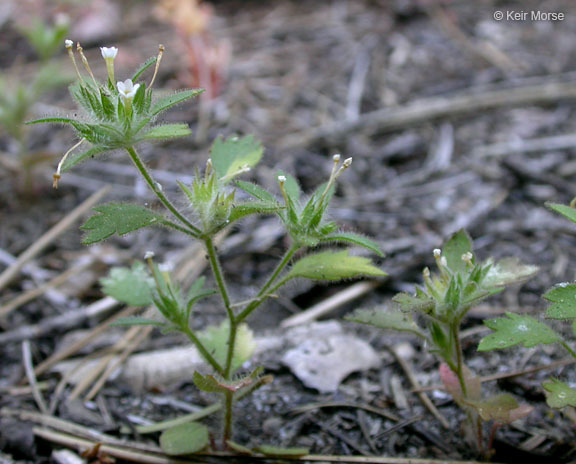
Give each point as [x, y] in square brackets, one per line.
[109, 52]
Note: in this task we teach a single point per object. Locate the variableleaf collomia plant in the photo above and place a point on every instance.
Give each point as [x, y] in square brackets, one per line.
[435, 313]
[119, 116]
[528, 331]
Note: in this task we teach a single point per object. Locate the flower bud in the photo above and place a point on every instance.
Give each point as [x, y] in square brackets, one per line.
[109, 52]
[68, 43]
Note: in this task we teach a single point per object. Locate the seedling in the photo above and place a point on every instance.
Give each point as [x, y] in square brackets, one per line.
[529, 332]
[17, 98]
[440, 307]
[121, 115]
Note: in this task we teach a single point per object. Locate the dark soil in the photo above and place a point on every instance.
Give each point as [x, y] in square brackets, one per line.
[296, 67]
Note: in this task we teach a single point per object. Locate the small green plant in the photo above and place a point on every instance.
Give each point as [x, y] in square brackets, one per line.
[440, 307]
[121, 115]
[528, 331]
[17, 97]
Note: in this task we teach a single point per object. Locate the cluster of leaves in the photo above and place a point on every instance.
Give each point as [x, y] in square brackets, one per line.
[109, 122]
[515, 329]
[435, 313]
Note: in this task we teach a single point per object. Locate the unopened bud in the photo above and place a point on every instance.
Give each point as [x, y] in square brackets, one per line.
[426, 273]
[437, 252]
[336, 158]
[347, 162]
[443, 261]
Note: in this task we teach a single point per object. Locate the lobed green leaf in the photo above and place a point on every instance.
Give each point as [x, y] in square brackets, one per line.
[563, 299]
[517, 330]
[558, 394]
[132, 286]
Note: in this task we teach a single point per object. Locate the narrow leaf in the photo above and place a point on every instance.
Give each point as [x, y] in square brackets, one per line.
[256, 191]
[558, 394]
[563, 299]
[184, 439]
[135, 320]
[383, 319]
[240, 210]
[168, 102]
[333, 265]
[567, 211]
[117, 218]
[278, 451]
[231, 155]
[356, 239]
[77, 158]
[167, 131]
[132, 286]
[517, 330]
[149, 62]
[51, 120]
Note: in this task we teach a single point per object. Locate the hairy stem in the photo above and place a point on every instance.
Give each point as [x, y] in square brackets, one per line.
[228, 404]
[219, 276]
[459, 363]
[158, 191]
[259, 299]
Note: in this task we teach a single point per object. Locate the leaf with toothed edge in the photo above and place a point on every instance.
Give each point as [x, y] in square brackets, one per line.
[117, 218]
[133, 286]
[515, 330]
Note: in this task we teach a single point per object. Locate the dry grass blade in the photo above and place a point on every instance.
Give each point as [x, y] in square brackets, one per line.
[40, 244]
[415, 385]
[36, 292]
[330, 304]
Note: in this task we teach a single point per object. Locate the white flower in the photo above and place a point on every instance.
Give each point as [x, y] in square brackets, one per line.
[281, 179]
[127, 89]
[109, 53]
[68, 43]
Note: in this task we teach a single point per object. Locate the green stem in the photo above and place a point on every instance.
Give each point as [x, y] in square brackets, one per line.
[228, 404]
[567, 348]
[205, 353]
[259, 299]
[219, 276]
[158, 191]
[231, 348]
[184, 230]
[459, 363]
